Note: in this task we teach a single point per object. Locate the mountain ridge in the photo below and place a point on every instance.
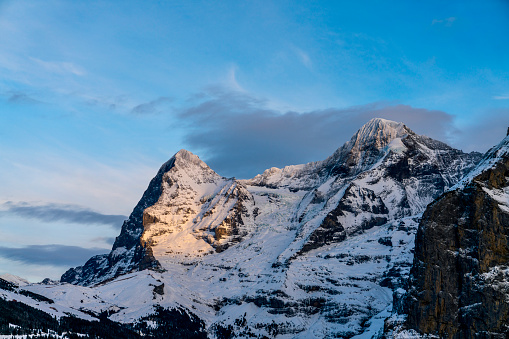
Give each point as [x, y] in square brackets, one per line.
[370, 139]
[284, 246]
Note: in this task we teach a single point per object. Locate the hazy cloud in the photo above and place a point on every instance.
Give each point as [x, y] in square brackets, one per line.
[446, 22]
[485, 133]
[107, 240]
[238, 131]
[56, 255]
[62, 212]
[151, 106]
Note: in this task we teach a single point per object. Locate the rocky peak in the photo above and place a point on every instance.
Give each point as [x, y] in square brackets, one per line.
[189, 164]
[367, 146]
[378, 133]
[184, 156]
[364, 149]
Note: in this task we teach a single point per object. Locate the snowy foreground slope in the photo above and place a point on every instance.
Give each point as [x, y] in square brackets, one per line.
[308, 251]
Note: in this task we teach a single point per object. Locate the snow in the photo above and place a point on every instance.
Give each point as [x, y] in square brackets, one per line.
[493, 156]
[356, 268]
[499, 195]
[55, 309]
[396, 145]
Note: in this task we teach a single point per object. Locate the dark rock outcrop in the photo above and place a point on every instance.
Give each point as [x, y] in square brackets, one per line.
[460, 279]
[356, 201]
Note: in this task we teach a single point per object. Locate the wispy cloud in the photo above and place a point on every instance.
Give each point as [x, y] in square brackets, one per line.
[61, 212]
[231, 79]
[446, 22]
[303, 57]
[243, 137]
[54, 255]
[59, 67]
[501, 97]
[151, 106]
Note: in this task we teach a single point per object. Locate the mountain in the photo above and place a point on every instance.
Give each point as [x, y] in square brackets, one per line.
[460, 279]
[306, 251]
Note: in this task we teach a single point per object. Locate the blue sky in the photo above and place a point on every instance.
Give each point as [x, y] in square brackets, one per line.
[96, 95]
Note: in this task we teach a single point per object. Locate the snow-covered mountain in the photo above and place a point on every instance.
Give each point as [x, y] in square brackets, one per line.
[306, 251]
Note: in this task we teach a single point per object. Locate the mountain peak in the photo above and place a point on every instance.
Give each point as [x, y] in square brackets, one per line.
[184, 157]
[380, 132]
[380, 122]
[193, 167]
[184, 153]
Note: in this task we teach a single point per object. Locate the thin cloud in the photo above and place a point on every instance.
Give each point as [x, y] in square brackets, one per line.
[55, 255]
[242, 137]
[446, 22]
[61, 212]
[59, 67]
[150, 107]
[303, 57]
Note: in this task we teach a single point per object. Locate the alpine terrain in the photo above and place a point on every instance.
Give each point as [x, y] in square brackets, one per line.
[318, 250]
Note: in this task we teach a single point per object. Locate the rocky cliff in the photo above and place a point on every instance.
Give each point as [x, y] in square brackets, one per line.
[460, 275]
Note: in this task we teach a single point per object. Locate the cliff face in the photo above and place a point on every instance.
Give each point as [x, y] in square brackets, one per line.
[460, 276]
[108, 266]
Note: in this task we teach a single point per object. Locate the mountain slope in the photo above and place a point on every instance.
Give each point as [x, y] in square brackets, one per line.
[312, 250]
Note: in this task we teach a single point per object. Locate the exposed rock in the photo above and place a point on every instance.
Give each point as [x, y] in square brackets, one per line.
[459, 280]
[359, 209]
[159, 289]
[106, 267]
